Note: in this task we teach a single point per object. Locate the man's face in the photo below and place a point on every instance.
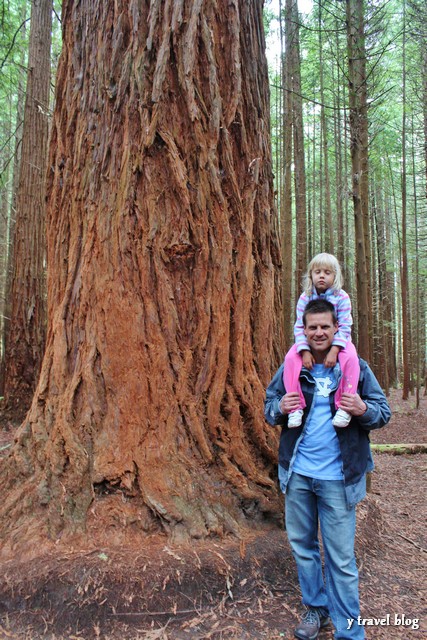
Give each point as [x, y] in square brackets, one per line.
[320, 330]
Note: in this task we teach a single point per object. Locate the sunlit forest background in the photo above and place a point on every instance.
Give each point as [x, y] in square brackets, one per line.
[348, 87]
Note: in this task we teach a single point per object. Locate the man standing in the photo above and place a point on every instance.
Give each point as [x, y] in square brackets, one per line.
[322, 471]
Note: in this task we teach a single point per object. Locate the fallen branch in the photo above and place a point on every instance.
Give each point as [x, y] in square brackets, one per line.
[400, 449]
[412, 542]
[152, 613]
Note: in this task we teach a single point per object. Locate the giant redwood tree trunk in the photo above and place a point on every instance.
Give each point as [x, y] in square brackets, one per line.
[162, 249]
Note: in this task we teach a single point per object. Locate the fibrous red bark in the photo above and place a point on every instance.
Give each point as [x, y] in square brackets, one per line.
[162, 254]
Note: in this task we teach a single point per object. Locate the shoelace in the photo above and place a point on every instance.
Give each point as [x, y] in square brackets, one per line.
[311, 616]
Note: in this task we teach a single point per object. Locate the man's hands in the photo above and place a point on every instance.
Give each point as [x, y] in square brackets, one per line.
[353, 404]
[350, 402]
[289, 402]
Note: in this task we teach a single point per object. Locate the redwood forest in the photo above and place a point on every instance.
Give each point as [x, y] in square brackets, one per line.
[168, 168]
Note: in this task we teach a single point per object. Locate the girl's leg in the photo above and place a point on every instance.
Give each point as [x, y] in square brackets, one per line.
[291, 373]
[349, 363]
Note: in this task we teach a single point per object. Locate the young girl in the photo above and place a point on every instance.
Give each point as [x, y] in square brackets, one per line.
[323, 280]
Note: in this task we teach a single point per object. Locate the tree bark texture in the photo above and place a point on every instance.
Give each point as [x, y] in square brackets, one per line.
[163, 277]
[358, 104]
[382, 335]
[25, 339]
[404, 277]
[286, 225]
[4, 227]
[339, 176]
[328, 222]
[8, 252]
[299, 157]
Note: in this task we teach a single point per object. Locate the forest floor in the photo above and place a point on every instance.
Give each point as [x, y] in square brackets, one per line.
[228, 590]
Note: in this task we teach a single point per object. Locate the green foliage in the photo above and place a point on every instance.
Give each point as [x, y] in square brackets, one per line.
[13, 51]
[14, 40]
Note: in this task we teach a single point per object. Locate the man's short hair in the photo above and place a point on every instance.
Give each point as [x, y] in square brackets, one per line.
[320, 305]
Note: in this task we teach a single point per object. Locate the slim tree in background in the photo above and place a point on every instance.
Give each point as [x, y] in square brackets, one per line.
[26, 335]
[286, 226]
[404, 286]
[359, 140]
[340, 177]
[327, 223]
[299, 153]
[10, 157]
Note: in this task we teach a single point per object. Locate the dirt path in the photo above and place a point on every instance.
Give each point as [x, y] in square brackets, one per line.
[229, 590]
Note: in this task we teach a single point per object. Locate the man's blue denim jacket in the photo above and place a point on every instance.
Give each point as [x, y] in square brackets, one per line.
[354, 439]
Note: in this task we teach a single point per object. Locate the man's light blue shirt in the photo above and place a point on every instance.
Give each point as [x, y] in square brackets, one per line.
[319, 453]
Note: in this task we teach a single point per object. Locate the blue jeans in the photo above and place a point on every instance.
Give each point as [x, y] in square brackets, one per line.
[308, 502]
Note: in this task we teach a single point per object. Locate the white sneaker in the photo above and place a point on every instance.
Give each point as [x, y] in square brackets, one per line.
[295, 418]
[341, 418]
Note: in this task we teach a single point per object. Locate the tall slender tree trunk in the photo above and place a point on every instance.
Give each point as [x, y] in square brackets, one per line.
[162, 283]
[286, 200]
[383, 333]
[377, 362]
[8, 249]
[340, 178]
[419, 335]
[359, 159]
[313, 241]
[299, 156]
[327, 222]
[25, 340]
[5, 194]
[404, 288]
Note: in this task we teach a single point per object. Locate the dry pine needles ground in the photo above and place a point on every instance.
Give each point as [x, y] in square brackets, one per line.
[233, 590]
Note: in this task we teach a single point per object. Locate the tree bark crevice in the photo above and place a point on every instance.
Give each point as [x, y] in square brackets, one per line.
[163, 261]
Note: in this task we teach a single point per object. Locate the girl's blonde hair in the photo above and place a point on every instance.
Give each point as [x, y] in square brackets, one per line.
[327, 261]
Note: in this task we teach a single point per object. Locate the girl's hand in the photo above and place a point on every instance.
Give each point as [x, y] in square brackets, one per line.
[307, 359]
[331, 357]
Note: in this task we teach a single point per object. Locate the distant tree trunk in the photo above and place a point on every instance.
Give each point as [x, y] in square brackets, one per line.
[162, 282]
[359, 158]
[383, 335]
[5, 193]
[314, 235]
[419, 334]
[424, 76]
[286, 200]
[11, 208]
[25, 340]
[327, 222]
[299, 158]
[404, 288]
[340, 183]
[424, 83]
[396, 310]
[379, 362]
